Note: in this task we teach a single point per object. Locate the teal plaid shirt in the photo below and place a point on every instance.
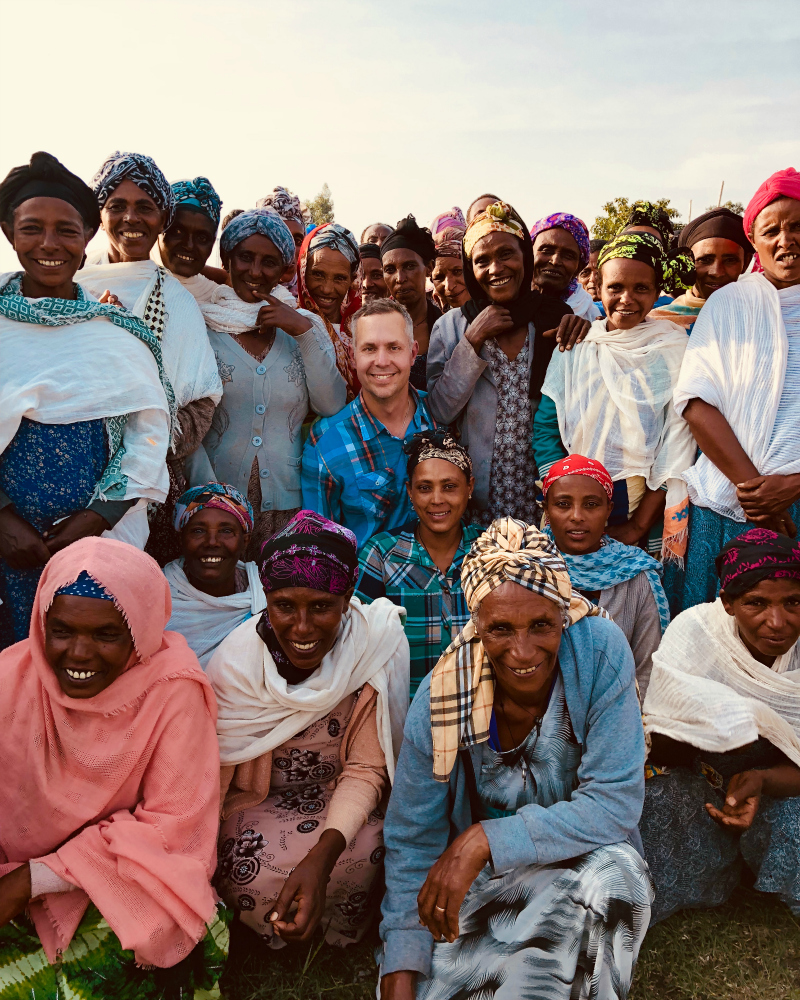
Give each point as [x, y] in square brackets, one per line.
[395, 565]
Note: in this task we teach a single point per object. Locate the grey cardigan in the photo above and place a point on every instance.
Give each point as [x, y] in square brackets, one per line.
[264, 404]
[462, 391]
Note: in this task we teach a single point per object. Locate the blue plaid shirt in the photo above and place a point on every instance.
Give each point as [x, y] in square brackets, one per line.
[354, 470]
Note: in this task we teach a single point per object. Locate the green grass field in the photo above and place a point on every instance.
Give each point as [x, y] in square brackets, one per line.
[748, 949]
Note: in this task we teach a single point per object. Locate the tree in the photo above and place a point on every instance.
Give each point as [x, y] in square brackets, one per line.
[733, 206]
[321, 207]
[617, 214]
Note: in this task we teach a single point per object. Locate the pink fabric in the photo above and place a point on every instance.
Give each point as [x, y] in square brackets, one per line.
[783, 183]
[119, 793]
[454, 218]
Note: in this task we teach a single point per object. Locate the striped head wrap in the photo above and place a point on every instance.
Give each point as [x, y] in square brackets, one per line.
[335, 237]
[462, 683]
[219, 495]
[198, 194]
[579, 465]
[674, 269]
[577, 229]
[436, 444]
[144, 173]
[497, 218]
[261, 221]
[286, 204]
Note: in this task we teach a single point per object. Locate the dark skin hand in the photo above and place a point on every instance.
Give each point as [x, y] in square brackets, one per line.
[21, 544]
[82, 524]
[650, 510]
[301, 902]
[743, 795]
[15, 893]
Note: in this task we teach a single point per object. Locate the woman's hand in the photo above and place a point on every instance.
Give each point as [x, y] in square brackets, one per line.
[741, 801]
[490, 322]
[628, 533]
[399, 986]
[21, 544]
[82, 524]
[768, 496]
[109, 298]
[571, 330]
[440, 899]
[306, 888]
[278, 314]
[15, 893]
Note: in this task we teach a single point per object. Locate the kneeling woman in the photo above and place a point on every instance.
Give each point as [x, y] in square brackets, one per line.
[519, 786]
[312, 698]
[109, 798]
[723, 710]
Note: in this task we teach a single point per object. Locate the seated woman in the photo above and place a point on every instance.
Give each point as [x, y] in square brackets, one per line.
[109, 798]
[611, 398]
[184, 248]
[723, 714]
[561, 251]
[136, 205]
[622, 579]
[419, 566]
[312, 697]
[212, 590]
[84, 416]
[277, 363]
[519, 786]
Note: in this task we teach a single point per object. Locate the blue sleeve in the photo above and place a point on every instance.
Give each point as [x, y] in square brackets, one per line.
[548, 448]
[321, 490]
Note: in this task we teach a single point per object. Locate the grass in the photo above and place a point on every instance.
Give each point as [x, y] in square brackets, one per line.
[748, 949]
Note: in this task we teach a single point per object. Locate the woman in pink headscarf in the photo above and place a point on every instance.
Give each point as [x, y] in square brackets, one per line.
[110, 793]
[739, 391]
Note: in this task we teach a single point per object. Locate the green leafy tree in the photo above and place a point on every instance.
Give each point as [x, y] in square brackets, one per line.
[733, 206]
[321, 207]
[617, 213]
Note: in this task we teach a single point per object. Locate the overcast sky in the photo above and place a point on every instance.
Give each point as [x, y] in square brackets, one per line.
[413, 106]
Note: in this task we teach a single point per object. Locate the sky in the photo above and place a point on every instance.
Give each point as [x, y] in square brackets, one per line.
[413, 106]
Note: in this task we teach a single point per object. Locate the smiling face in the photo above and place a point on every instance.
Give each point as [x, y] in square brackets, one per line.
[768, 617]
[499, 266]
[306, 622]
[578, 509]
[556, 258]
[718, 262]
[628, 290]
[49, 237]
[328, 277]
[87, 644]
[404, 273]
[372, 284]
[589, 277]
[776, 237]
[132, 222]
[448, 280]
[256, 267]
[383, 355]
[213, 542]
[521, 633]
[439, 492]
[376, 233]
[187, 244]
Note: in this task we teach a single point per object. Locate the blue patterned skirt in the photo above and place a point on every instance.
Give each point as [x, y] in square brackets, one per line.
[49, 471]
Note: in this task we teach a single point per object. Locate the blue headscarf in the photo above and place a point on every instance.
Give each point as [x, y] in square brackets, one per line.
[199, 193]
[265, 222]
[336, 237]
[143, 172]
[85, 586]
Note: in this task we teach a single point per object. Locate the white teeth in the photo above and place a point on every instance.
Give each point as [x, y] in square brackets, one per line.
[181, 256]
[79, 675]
[212, 559]
[132, 236]
[522, 673]
[304, 646]
[51, 263]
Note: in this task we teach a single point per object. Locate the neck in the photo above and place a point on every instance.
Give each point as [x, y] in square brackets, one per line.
[222, 588]
[33, 290]
[697, 293]
[292, 674]
[441, 546]
[548, 289]
[419, 311]
[395, 414]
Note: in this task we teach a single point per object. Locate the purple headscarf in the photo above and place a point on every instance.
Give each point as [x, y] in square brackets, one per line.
[577, 229]
[759, 554]
[310, 551]
[454, 218]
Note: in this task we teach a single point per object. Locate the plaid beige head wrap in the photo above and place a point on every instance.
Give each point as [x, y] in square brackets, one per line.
[462, 684]
[497, 218]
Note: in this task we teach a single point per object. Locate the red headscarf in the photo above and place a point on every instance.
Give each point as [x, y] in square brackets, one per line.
[782, 184]
[579, 465]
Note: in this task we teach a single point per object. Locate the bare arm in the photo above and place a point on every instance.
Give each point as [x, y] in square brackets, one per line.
[717, 441]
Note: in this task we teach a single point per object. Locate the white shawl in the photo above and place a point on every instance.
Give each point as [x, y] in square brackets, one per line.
[582, 304]
[189, 362]
[204, 620]
[707, 690]
[736, 362]
[258, 710]
[225, 312]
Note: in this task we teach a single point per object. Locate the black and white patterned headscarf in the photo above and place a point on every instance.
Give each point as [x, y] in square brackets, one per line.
[144, 173]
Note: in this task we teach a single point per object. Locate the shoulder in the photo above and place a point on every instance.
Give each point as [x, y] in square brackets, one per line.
[450, 326]
[381, 544]
[602, 642]
[180, 298]
[323, 426]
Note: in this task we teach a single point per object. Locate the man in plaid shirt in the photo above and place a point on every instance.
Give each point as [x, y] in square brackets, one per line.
[354, 467]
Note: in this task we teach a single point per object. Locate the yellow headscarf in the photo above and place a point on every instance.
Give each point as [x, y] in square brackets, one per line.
[496, 218]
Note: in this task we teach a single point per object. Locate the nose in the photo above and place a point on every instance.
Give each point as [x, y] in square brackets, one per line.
[49, 239]
[302, 624]
[80, 649]
[576, 513]
[775, 618]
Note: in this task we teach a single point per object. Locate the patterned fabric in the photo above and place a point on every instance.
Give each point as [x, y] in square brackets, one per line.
[46, 177]
[286, 204]
[95, 966]
[144, 173]
[219, 495]
[512, 479]
[674, 269]
[452, 219]
[335, 237]
[450, 242]
[437, 444]
[757, 555]
[496, 218]
[409, 235]
[85, 586]
[577, 229]
[310, 551]
[781, 184]
[579, 465]
[396, 565]
[645, 213]
[200, 193]
[261, 221]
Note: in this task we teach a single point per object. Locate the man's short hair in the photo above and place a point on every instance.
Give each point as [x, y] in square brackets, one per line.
[382, 307]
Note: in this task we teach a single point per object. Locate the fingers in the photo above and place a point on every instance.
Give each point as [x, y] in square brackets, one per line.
[285, 898]
[451, 918]
[751, 484]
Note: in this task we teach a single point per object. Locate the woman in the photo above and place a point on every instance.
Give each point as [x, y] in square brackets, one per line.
[184, 248]
[136, 205]
[526, 742]
[739, 391]
[589, 276]
[327, 269]
[487, 361]
[419, 567]
[578, 500]
[84, 403]
[376, 233]
[109, 796]
[212, 589]
[276, 363]
[561, 251]
[312, 698]
[288, 207]
[650, 218]
[611, 398]
[723, 714]
[449, 289]
[372, 284]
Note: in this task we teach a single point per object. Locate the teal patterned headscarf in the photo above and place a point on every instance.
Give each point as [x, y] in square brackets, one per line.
[200, 195]
[674, 269]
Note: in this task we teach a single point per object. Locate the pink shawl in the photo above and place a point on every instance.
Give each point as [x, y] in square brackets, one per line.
[119, 793]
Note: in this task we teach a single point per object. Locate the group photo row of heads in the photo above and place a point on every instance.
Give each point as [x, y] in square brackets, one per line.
[444, 577]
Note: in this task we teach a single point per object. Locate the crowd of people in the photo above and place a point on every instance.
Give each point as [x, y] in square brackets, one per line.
[449, 572]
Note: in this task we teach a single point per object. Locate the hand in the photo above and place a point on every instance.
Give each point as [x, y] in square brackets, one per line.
[768, 495]
[306, 888]
[21, 544]
[399, 986]
[490, 322]
[571, 330]
[741, 801]
[781, 523]
[278, 314]
[15, 893]
[83, 524]
[628, 533]
[440, 899]
[109, 298]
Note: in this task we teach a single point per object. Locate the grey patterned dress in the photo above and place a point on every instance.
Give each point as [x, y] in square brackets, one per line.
[564, 931]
